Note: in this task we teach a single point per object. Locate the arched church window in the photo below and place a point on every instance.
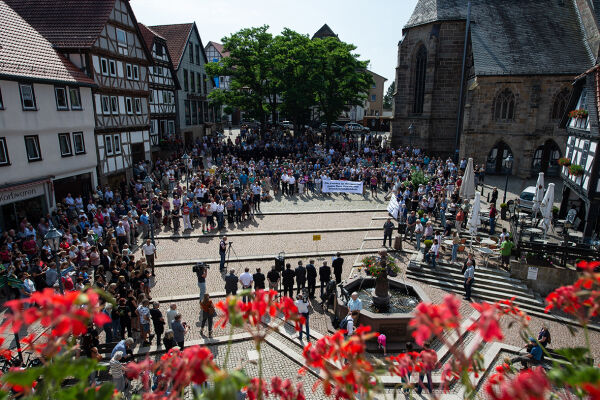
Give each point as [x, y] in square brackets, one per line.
[420, 72]
[560, 104]
[504, 106]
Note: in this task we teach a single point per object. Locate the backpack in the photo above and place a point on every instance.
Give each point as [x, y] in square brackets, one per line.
[344, 324]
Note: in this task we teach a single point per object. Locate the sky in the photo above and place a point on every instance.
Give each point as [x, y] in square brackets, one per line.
[374, 26]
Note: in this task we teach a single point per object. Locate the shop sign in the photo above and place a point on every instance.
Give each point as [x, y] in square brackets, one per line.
[19, 194]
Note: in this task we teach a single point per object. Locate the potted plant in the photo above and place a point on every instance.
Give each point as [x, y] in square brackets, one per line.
[555, 212]
[428, 243]
[503, 210]
[578, 114]
[575, 170]
[564, 161]
[375, 268]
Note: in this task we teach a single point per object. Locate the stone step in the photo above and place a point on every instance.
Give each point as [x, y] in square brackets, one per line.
[535, 309]
[483, 278]
[479, 289]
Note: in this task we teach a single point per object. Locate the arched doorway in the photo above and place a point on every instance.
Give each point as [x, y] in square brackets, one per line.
[496, 156]
[545, 159]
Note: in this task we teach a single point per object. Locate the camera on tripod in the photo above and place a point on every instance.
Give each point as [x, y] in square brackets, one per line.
[199, 267]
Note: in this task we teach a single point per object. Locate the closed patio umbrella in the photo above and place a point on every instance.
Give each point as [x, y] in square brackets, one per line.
[467, 188]
[546, 208]
[539, 194]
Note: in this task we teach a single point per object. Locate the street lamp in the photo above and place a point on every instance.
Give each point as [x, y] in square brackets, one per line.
[185, 159]
[53, 237]
[411, 133]
[148, 183]
[508, 163]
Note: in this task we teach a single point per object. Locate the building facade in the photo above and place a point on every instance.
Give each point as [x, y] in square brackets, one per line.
[163, 90]
[374, 101]
[47, 147]
[102, 38]
[515, 70]
[215, 53]
[194, 116]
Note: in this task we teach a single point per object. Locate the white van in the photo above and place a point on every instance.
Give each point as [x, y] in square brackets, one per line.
[526, 199]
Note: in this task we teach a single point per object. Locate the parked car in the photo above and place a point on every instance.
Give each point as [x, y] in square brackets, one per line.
[287, 125]
[334, 127]
[366, 129]
[526, 199]
[353, 127]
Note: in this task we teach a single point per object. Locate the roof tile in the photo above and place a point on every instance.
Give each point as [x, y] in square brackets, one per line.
[176, 36]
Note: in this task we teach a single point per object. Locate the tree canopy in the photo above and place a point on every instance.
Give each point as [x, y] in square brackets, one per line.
[290, 73]
[388, 98]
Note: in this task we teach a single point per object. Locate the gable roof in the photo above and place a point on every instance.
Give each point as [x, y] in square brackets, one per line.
[69, 24]
[177, 37]
[148, 35]
[376, 74]
[25, 53]
[219, 48]
[323, 32]
[509, 37]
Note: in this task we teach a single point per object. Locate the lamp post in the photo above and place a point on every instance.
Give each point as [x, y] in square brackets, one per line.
[53, 237]
[185, 159]
[411, 133]
[508, 163]
[148, 183]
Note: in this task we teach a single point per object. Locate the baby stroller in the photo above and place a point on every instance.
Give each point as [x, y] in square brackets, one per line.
[329, 295]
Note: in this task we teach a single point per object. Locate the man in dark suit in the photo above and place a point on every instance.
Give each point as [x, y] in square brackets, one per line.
[300, 277]
[324, 275]
[231, 283]
[259, 279]
[337, 264]
[288, 281]
[311, 278]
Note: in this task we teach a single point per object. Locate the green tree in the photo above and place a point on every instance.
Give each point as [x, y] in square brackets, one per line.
[342, 79]
[388, 98]
[253, 87]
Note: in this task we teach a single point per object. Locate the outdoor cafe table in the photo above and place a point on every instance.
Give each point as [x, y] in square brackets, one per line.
[488, 242]
[486, 253]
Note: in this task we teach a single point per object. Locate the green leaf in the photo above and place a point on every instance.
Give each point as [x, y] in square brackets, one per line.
[574, 354]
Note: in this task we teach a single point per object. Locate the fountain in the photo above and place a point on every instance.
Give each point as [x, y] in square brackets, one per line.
[388, 302]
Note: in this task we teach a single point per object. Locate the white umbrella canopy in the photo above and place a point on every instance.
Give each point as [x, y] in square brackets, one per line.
[546, 208]
[467, 188]
[539, 193]
[474, 218]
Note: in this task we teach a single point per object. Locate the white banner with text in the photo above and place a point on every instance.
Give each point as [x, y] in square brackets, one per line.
[342, 187]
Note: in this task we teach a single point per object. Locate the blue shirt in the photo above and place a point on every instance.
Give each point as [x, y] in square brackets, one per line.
[144, 219]
[119, 347]
[355, 305]
[536, 352]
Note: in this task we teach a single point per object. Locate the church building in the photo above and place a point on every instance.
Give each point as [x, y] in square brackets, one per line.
[489, 79]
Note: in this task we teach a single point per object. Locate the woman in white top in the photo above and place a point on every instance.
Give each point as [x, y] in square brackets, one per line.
[302, 305]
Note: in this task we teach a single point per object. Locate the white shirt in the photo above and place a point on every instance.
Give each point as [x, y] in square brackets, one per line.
[302, 306]
[170, 317]
[246, 279]
[148, 249]
[350, 327]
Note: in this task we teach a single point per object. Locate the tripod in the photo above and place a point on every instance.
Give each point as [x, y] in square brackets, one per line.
[228, 256]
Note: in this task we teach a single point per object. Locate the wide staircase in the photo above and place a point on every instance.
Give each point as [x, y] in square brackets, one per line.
[491, 285]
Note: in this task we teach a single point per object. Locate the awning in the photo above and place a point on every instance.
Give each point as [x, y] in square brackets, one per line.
[26, 184]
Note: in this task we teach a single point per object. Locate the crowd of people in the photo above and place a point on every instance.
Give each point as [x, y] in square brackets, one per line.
[106, 242]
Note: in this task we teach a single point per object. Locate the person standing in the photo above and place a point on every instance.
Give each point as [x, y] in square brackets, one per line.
[259, 280]
[505, 251]
[246, 281]
[273, 277]
[429, 360]
[460, 217]
[179, 331]
[201, 273]
[311, 278]
[231, 283]
[222, 252]
[171, 315]
[493, 213]
[411, 222]
[300, 277]
[324, 276]
[144, 313]
[469, 279]
[303, 304]
[288, 281]
[149, 251]
[338, 264]
[208, 313]
[388, 229]
[158, 321]
[185, 212]
[419, 229]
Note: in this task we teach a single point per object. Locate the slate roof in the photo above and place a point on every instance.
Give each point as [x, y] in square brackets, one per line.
[25, 53]
[515, 37]
[323, 32]
[69, 24]
[219, 48]
[177, 37]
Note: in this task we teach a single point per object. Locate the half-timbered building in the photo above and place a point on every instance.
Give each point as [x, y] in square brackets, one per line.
[103, 39]
[163, 89]
[194, 115]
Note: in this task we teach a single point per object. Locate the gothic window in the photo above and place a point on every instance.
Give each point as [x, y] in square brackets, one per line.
[560, 104]
[420, 70]
[504, 107]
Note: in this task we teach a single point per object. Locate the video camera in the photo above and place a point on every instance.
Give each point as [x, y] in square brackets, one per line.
[199, 267]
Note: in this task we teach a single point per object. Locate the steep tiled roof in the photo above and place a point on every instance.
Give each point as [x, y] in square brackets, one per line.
[66, 23]
[512, 37]
[219, 48]
[25, 53]
[148, 35]
[323, 32]
[176, 36]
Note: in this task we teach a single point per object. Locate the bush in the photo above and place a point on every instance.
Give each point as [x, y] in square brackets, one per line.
[428, 243]
[418, 178]
[576, 170]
